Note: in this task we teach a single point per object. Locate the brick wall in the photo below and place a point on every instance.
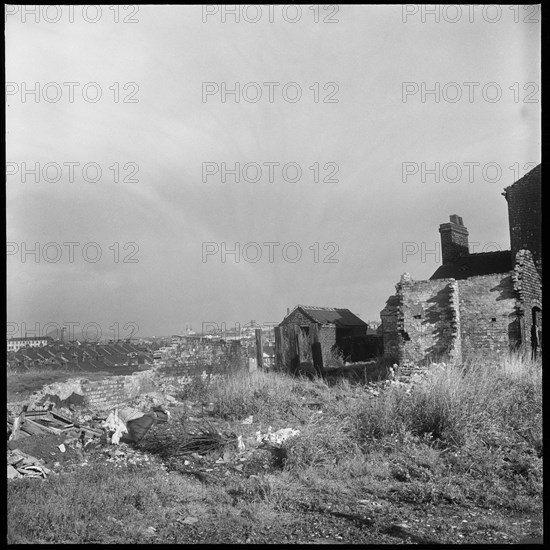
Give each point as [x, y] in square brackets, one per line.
[116, 390]
[528, 285]
[455, 349]
[327, 338]
[388, 317]
[488, 315]
[296, 318]
[424, 320]
[327, 334]
[524, 213]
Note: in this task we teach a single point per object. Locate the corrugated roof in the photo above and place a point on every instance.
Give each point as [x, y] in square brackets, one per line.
[341, 317]
[472, 265]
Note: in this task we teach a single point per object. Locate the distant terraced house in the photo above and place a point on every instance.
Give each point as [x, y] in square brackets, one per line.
[489, 301]
[15, 344]
[83, 356]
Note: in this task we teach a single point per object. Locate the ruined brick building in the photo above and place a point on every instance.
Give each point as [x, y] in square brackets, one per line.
[486, 301]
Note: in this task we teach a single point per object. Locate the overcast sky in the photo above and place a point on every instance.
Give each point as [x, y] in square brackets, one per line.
[355, 118]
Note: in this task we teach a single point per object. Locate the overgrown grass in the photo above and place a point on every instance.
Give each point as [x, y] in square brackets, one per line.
[456, 403]
[99, 504]
[466, 434]
[265, 395]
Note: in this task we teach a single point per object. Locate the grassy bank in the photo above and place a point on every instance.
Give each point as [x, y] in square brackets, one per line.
[456, 456]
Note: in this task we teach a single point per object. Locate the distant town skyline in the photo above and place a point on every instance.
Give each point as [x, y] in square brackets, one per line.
[353, 135]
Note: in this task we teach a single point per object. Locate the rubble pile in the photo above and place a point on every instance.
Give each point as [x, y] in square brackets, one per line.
[21, 464]
[54, 440]
[47, 441]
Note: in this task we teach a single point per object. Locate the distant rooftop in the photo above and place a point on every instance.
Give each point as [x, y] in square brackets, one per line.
[28, 338]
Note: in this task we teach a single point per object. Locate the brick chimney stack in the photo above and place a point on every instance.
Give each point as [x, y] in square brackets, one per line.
[454, 240]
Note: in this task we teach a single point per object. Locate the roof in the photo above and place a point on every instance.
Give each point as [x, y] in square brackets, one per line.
[86, 355]
[472, 265]
[340, 317]
[29, 338]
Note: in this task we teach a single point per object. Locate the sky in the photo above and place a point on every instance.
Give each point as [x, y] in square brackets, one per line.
[140, 115]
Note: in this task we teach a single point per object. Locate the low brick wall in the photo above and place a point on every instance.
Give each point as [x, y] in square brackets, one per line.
[116, 390]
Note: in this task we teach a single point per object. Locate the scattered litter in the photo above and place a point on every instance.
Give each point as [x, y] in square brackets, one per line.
[278, 437]
[25, 465]
[240, 444]
[116, 425]
[248, 420]
[12, 472]
[189, 520]
[132, 422]
[37, 422]
[61, 447]
[200, 441]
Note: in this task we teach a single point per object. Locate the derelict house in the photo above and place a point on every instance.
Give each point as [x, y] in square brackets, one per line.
[490, 301]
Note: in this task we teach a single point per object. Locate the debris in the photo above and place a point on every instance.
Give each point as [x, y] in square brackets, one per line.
[248, 420]
[86, 431]
[12, 472]
[189, 520]
[15, 430]
[33, 471]
[37, 422]
[25, 465]
[115, 425]
[278, 437]
[138, 427]
[133, 422]
[240, 444]
[61, 447]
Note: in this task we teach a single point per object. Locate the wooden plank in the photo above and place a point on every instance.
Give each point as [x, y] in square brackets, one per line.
[90, 432]
[37, 414]
[294, 348]
[316, 352]
[259, 349]
[279, 349]
[32, 426]
[61, 418]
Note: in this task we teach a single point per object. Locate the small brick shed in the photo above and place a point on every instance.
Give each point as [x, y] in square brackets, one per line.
[338, 328]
